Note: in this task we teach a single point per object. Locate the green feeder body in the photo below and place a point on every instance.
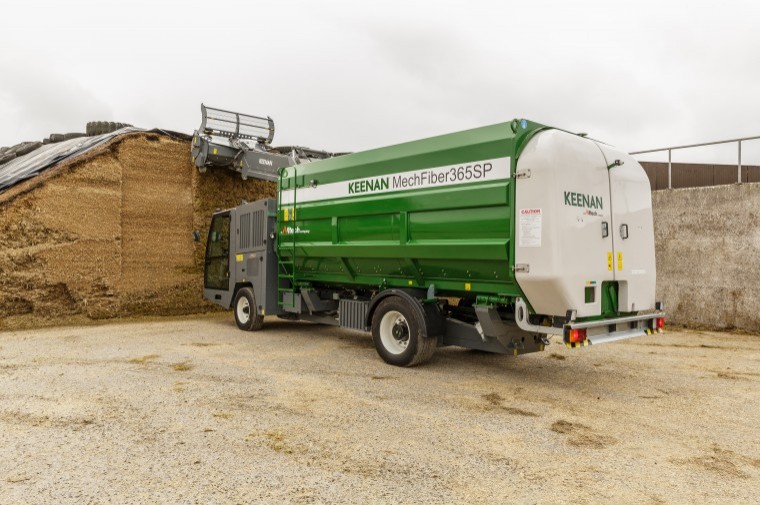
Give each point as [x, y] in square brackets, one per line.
[437, 212]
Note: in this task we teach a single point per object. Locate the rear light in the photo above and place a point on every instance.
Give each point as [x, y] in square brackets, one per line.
[577, 336]
[660, 323]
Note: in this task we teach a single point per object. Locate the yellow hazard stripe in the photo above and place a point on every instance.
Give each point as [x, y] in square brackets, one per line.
[575, 345]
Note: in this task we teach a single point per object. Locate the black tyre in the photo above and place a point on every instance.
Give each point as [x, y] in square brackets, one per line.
[27, 148]
[399, 333]
[246, 311]
[103, 127]
[5, 158]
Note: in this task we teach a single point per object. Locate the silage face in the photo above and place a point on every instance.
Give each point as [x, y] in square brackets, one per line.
[113, 235]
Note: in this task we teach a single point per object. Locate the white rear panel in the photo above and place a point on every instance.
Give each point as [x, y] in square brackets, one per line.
[632, 207]
[559, 211]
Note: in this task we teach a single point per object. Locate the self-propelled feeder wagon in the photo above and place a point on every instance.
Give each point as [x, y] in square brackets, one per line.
[496, 238]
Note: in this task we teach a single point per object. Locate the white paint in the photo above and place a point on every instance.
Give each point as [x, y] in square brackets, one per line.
[472, 172]
[574, 252]
[632, 206]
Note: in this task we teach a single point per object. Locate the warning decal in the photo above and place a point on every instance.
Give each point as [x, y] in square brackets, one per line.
[529, 234]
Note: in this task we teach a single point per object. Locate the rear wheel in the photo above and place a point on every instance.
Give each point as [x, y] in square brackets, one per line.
[247, 315]
[399, 333]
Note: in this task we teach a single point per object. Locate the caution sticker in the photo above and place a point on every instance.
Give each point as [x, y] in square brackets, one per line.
[530, 228]
[620, 261]
[609, 261]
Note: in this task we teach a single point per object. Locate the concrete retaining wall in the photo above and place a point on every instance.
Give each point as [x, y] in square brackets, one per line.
[708, 255]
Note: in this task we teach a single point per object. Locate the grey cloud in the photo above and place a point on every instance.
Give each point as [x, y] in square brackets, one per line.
[354, 75]
[42, 101]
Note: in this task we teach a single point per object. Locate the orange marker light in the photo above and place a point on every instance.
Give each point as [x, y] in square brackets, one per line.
[577, 336]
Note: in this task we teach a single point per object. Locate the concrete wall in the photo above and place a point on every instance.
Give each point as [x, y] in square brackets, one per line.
[708, 255]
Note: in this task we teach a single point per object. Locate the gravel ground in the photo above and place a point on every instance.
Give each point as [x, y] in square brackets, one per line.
[193, 410]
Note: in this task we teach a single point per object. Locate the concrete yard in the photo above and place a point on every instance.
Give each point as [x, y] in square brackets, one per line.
[194, 410]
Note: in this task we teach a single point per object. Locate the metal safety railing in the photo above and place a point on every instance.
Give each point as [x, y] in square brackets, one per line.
[718, 142]
[234, 125]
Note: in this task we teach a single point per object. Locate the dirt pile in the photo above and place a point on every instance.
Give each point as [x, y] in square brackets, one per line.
[110, 233]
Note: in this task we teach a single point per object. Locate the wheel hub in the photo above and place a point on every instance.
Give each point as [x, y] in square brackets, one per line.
[394, 332]
[243, 310]
[400, 331]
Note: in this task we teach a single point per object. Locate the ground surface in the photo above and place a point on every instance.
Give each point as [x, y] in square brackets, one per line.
[194, 410]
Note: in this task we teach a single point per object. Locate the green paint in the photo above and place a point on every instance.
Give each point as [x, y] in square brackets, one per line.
[610, 298]
[589, 294]
[449, 236]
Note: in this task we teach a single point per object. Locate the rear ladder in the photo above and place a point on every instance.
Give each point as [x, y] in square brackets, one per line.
[286, 269]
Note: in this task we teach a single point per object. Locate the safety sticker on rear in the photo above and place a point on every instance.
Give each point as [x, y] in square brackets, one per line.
[530, 228]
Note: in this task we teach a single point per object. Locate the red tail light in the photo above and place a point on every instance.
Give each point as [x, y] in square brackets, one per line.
[577, 335]
[660, 323]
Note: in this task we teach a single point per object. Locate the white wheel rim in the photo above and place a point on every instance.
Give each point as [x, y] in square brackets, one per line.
[394, 332]
[243, 310]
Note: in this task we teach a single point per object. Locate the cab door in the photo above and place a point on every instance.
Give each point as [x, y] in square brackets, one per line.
[216, 275]
[632, 231]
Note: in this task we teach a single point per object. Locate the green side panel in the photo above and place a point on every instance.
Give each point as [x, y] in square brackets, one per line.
[459, 237]
[368, 228]
[478, 223]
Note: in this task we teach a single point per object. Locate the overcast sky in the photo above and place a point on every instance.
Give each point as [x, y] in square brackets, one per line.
[351, 75]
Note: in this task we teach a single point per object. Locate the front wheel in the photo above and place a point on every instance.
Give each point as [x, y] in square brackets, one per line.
[399, 333]
[247, 315]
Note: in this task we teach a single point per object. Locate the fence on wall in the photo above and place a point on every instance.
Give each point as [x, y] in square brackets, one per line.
[696, 175]
[668, 175]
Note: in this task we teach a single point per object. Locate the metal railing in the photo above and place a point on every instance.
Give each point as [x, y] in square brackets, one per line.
[674, 148]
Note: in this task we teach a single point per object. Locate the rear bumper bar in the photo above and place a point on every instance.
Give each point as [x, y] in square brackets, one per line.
[612, 330]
